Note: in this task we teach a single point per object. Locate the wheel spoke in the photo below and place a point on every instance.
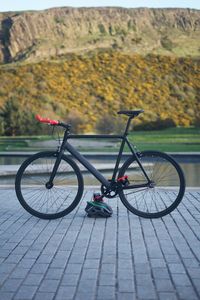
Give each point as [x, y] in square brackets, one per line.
[31, 188]
[167, 188]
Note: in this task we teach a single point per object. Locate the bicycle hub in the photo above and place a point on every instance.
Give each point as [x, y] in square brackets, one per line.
[49, 185]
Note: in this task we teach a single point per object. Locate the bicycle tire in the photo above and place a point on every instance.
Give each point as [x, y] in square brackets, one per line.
[45, 203]
[165, 196]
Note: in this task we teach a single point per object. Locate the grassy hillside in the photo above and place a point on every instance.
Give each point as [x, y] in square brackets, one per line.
[89, 89]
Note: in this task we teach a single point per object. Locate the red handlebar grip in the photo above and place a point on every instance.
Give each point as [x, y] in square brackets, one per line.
[46, 120]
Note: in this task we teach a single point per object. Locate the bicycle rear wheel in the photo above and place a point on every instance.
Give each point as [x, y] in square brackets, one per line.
[166, 191]
[37, 198]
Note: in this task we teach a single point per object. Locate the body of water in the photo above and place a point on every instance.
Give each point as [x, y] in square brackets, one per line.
[190, 169]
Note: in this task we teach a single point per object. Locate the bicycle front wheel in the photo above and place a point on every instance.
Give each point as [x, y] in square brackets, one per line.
[164, 194]
[37, 197]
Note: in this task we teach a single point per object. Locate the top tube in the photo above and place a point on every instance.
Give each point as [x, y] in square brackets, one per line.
[90, 136]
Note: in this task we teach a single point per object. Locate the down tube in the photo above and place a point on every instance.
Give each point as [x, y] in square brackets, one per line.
[86, 164]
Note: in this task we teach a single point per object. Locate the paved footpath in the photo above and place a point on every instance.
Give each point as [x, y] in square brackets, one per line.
[123, 257]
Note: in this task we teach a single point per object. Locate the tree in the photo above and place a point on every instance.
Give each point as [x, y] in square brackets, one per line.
[17, 119]
[9, 116]
[108, 124]
[76, 120]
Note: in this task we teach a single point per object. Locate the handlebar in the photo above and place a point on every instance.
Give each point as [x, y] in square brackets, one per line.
[46, 120]
[52, 122]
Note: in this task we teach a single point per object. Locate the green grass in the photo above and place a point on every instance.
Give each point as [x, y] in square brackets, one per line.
[170, 140]
[20, 143]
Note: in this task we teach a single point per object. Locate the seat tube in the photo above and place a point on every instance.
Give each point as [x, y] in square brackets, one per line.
[124, 140]
[118, 159]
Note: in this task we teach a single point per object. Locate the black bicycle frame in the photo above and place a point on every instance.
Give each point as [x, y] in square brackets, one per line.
[67, 146]
[85, 162]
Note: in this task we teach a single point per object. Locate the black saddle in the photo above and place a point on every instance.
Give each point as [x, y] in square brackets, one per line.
[130, 113]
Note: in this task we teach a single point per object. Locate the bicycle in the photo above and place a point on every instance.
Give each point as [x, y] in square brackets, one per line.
[50, 185]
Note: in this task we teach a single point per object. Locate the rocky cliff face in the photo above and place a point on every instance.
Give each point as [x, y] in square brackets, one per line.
[38, 35]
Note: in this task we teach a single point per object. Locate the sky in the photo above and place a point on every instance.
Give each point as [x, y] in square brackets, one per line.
[17, 5]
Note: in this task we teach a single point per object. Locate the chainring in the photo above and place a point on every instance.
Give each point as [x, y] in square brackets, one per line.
[111, 192]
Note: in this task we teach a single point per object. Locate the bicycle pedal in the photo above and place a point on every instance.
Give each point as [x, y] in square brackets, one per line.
[123, 179]
[97, 197]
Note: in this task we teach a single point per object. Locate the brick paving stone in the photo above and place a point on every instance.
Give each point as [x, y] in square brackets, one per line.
[13, 258]
[92, 263]
[146, 292]
[176, 268]
[85, 295]
[6, 267]
[39, 268]
[108, 268]
[194, 272]
[44, 296]
[7, 295]
[126, 296]
[157, 262]
[191, 263]
[196, 283]
[187, 292]
[107, 279]
[167, 296]
[59, 262]
[25, 292]
[3, 277]
[89, 274]
[160, 273]
[142, 268]
[125, 274]
[65, 293]
[109, 258]
[86, 288]
[26, 263]
[172, 258]
[164, 285]
[106, 292]
[126, 286]
[73, 268]
[19, 273]
[120, 258]
[11, 285]
[70, 279]
[49, 285]
[33, 279]
[181, 280]
[32, 254]
[54, 273]
[45, 258]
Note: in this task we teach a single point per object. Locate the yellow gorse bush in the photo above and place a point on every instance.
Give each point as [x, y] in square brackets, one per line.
[101, 83]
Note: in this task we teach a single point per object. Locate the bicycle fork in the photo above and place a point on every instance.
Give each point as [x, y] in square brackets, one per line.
[49, 184]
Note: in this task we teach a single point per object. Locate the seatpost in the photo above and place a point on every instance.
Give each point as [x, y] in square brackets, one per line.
[128, 125]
